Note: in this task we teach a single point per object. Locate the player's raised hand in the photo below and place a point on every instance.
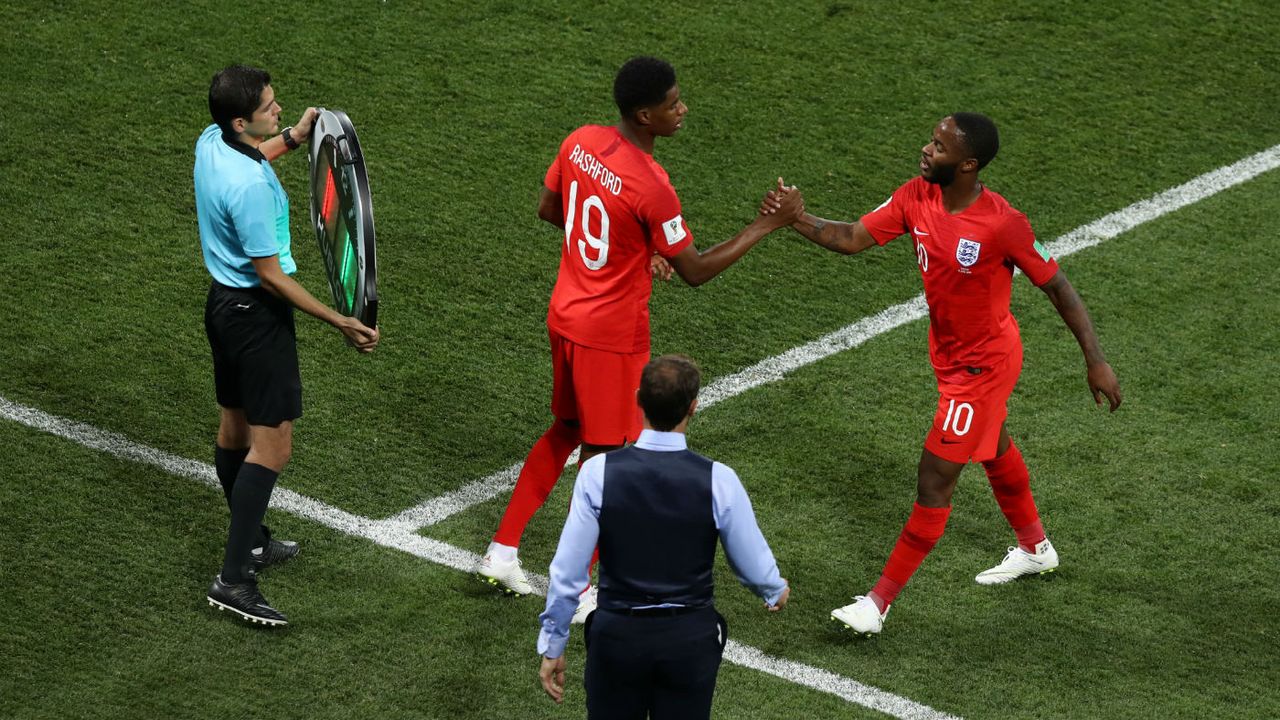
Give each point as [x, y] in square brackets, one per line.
[792, 207]
[783, 204]
[772, 200]
[789, 206]
[1102, 381]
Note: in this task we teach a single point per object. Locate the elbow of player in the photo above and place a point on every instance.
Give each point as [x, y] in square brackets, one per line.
[844, 245]
[696, 275]
[696, 279]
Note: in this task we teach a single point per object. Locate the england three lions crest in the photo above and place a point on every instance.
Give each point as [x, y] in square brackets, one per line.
[967, 252]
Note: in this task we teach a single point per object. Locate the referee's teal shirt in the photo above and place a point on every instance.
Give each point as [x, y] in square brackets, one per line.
[242, 209]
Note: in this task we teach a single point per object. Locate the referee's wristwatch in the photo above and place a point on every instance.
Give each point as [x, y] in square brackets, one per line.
[289, 142]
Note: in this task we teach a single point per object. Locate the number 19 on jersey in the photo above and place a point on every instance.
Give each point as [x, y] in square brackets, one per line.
[600, 243]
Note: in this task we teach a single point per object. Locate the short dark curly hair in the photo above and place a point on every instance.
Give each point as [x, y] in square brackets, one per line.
[979, 134]
[642, 82]
[234, 93]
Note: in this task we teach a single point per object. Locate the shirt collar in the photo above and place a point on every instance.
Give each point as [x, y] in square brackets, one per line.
[661, 441]
[247, 150]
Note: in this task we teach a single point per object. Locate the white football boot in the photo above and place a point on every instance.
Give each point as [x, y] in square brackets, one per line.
[863, 616]
[1019, 562]
[586, 604]
[504, 573]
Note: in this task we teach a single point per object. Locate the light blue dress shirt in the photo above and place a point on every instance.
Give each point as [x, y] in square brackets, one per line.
[744, 545]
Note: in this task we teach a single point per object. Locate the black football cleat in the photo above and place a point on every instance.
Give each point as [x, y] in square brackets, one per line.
[273, 553]
[244, 600]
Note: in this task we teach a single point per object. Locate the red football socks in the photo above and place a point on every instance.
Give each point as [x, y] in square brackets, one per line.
[921, 533]
[1011, 484]
[538, 476]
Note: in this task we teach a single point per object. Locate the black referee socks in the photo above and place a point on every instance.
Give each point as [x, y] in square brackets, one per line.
[228, 464]
[252, 493]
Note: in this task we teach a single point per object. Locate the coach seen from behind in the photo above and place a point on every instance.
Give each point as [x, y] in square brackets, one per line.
[656, 510]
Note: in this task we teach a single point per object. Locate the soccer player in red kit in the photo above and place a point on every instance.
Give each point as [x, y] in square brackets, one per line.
[617, 210]
[968, 240]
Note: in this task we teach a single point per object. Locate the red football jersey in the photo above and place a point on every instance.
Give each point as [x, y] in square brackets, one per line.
[967, 263]
[619, 208]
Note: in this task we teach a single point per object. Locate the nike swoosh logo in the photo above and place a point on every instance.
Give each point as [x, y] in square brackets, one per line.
[918, 231]
[241, 307]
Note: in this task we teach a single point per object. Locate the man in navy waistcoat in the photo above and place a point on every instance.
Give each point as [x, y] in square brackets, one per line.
[656, 510]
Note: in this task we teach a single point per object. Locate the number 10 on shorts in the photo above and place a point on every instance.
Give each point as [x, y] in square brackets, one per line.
[957, 414]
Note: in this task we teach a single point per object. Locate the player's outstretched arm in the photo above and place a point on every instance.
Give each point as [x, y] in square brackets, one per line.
[282, 286]
[1101, 378]
[844, 238]
[696, 267]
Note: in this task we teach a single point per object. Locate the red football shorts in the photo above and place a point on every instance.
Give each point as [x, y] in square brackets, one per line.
[972, 408]
[598, 389]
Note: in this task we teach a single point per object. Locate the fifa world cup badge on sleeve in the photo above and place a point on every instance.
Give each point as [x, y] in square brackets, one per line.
[674, 229]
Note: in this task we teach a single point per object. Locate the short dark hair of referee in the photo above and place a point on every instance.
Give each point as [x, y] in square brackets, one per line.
[656, 510]
[243, 213]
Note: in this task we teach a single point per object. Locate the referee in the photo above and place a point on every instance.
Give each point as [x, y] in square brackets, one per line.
[244, 234]
[656, 510]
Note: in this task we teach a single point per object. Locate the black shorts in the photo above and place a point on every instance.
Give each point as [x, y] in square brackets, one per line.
[255, 353]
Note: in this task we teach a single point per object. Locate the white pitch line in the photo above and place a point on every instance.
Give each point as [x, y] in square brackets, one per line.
[436, 509]
[830, 683]
[451, 503]
[392, 535]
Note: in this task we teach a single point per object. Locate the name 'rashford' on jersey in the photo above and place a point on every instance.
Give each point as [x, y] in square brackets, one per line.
[967, 262]
[619, 208]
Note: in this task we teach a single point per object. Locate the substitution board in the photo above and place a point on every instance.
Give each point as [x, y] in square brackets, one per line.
[342, 213]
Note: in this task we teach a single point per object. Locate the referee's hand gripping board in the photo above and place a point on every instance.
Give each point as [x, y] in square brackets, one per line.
[342, 214]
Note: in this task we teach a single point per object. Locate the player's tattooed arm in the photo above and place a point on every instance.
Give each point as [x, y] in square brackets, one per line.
[844, 238]
[841, 237]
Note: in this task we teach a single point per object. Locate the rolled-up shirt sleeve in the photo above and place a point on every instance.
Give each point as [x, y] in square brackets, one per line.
[744, 544]
[570, 569]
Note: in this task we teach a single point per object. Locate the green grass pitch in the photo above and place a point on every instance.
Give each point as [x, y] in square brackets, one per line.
[1166, 604]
